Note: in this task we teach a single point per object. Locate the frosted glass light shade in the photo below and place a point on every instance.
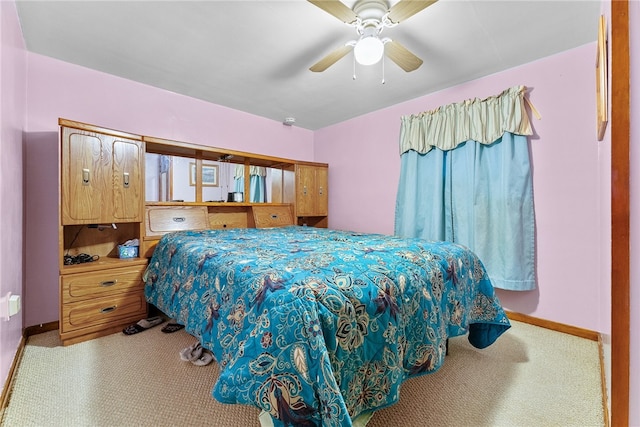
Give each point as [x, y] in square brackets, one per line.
[368, 50]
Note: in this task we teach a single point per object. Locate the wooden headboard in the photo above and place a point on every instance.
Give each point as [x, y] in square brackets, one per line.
[162, 219]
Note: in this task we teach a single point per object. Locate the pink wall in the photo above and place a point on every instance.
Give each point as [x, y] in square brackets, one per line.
[59, 89]
[12, 119]
[569, 193]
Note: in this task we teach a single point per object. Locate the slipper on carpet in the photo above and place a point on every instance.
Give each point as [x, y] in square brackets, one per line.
[172, 327]
[191, 353]
[205, 358]
[143, 325]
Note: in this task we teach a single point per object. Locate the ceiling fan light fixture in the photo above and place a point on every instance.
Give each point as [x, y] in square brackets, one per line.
[369, 18]
[369, 50]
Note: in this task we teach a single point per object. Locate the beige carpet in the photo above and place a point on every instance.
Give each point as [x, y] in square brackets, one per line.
[529, 377]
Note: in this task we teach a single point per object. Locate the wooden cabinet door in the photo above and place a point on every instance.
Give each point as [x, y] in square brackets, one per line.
[321, 188]
[305, 181]
[126, 190]
[85, 171]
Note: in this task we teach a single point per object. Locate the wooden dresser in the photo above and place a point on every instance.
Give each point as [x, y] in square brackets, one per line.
[160, 220]
[272, 216]
[312, 196]
[117, 187]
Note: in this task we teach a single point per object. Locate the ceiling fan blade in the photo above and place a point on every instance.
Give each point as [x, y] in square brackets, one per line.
[401, 56]
[337, 9]
[405, 9]
[331, 58]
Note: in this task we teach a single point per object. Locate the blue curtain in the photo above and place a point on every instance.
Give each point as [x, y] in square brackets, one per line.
[477, 195]
[257, 188]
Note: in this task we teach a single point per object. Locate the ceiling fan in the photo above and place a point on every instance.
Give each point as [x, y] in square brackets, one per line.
[369, 18]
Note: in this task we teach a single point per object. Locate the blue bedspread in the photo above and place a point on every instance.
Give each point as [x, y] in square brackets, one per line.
[317, 326]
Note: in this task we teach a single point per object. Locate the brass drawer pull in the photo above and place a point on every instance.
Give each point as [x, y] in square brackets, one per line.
[178, 219]
[108, 309]
[109, 283]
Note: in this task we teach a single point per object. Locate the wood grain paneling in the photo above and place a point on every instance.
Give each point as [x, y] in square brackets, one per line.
[272, 216]
[160, 220]
[620, 207]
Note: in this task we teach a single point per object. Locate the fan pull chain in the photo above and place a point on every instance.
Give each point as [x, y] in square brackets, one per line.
[383, 70]
[354, 66]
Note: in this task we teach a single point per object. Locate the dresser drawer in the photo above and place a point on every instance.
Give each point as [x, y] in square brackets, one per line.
[82, 286]
[102, 311]
[160, 220]
[272, 216]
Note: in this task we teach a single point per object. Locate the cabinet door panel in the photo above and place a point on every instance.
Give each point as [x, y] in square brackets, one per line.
[83, 286]
[322, 195]
[84, 176]
[127, 180]
[102, 311]
[305, 191]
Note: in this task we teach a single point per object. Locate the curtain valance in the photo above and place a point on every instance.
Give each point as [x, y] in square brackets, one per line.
[253, 170]
[481, 120]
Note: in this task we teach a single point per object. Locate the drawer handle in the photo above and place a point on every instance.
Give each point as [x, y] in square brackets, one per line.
[85, 176]
[109, 283]
[274, 216]
[125, 179]
[108, 309]
[178, 219]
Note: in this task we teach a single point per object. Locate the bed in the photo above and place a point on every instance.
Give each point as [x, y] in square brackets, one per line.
[317, 326]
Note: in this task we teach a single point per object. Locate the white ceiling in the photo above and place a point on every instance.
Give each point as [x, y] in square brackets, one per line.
[254, 56]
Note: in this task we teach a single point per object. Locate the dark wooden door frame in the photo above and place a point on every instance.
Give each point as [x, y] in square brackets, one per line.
[620, 207]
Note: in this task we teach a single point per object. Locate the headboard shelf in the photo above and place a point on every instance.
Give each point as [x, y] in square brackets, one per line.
[216, 204]
[162, 218]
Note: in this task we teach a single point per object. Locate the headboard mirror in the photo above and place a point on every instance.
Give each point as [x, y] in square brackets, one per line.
[180, 173]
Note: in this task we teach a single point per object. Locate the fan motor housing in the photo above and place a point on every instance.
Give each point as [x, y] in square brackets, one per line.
[371, 9]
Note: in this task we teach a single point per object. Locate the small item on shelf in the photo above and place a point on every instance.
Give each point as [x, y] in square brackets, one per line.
[143, 325]
[129, 249]
[79, 259]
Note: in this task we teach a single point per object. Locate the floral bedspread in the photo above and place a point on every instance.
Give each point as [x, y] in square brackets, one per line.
[317, 326]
